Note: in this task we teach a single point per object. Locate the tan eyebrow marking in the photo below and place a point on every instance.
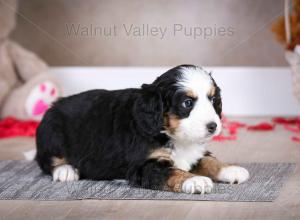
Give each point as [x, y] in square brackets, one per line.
[191, 93]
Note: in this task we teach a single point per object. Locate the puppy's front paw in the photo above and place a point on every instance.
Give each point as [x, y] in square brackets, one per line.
[64, 173]
[197, 184]
[233, 174]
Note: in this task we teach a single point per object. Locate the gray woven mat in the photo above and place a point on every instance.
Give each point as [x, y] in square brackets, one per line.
[24, 180]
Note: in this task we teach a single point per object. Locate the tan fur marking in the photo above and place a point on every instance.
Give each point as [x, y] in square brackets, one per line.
[171, 123]
[176, 179]
[160, 154]
[190, 93]
[212, 91]
[209, 166]
[58, 161]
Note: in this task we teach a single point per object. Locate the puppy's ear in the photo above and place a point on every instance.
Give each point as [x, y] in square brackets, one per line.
[218, 102]
[218, 99]
[148, 111]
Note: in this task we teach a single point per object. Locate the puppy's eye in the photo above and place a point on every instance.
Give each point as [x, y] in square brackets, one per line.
[188, 103]
[213, 99]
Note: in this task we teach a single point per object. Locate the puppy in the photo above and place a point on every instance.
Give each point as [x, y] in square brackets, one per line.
[154, 137]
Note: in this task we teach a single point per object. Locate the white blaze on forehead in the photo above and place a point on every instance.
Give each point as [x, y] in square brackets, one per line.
[193, 129]
[195, 79]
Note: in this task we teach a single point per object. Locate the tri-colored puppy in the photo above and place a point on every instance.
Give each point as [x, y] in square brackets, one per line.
[154, 136]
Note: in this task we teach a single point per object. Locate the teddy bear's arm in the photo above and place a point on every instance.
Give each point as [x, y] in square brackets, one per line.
[26, 62]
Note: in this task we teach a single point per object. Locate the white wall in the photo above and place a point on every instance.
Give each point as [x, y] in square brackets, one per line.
[246, 91]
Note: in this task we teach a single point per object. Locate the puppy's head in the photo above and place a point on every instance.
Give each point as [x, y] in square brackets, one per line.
[185, 103]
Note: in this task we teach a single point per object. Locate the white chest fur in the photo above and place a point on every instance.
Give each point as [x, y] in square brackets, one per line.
[185, 156]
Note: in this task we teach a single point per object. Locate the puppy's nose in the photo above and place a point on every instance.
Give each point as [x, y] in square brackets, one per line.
[211, 127]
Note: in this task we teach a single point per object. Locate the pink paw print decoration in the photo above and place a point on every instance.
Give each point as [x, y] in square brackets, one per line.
[40, 99]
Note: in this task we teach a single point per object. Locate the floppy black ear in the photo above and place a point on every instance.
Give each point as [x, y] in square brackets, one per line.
[148, 111]
[217, 98]
[218, 101]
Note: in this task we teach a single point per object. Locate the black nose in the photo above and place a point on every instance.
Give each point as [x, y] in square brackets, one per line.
[211, 127]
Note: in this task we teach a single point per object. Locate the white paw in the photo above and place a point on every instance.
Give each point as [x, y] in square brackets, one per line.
[65, 173]
[197, 184]
[40, 98]
[233, 174]
[30, 154]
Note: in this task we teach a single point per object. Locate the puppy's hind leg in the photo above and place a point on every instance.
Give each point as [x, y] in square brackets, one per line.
[51, 145]
[65, 173]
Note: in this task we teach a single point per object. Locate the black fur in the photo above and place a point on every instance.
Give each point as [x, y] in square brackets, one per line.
[109, 134]
[217, 99]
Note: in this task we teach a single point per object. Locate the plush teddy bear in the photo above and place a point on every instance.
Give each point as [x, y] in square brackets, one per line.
[26, 90]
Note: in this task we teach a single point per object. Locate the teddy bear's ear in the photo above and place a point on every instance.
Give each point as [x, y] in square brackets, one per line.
[148, 111]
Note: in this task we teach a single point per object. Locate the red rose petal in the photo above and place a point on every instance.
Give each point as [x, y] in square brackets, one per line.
[264, 126]
[292, 128]
[296, 139]
[281, 120]
[221, 138]
[12, 127]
